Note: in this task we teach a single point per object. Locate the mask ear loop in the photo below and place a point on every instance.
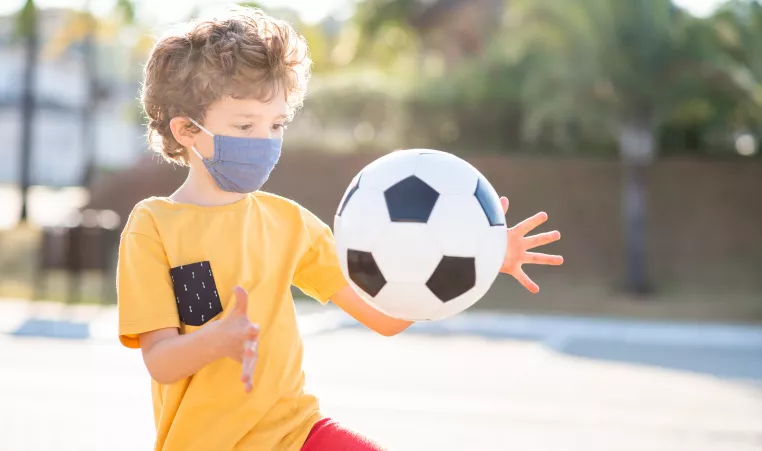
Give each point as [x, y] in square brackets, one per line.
[205, 131]
[193, 148]
[201, 127]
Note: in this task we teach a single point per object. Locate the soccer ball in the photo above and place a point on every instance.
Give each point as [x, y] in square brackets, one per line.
[420, 234]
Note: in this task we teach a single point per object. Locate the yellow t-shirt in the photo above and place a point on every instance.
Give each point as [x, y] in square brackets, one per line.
[174, 257]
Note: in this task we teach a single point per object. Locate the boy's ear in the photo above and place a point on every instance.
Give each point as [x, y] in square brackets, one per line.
[182, 132]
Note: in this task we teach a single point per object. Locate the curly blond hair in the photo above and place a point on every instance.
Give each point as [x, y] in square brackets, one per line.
[244, 54]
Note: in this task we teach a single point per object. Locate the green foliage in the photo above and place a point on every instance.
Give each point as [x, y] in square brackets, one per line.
[738, 31]
[566, 75]
[26, 20]
[256, 5]
[604, 63]
[373, 15]
[352, 111]
[355, 96]
[127, 10]
[474, 108]
[555, 76]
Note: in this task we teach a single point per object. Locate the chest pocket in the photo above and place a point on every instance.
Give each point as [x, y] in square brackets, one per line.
[195, 293]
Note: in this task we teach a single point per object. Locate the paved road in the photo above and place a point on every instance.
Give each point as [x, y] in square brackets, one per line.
[413, 392]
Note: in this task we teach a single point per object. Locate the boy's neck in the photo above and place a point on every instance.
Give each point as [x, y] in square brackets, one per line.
[199, 189]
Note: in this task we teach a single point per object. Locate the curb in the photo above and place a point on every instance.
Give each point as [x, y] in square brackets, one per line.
[19, 318]
[40, 319]
[557, 329]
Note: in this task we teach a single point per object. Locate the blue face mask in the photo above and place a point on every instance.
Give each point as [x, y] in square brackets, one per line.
[240, 165]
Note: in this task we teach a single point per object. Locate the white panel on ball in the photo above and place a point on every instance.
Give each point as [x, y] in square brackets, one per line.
[457, 222]
[388, 170]
[363, 220]
[490, 256]
[407, 252]
[410, 301]
[447, 173]
[457, 305]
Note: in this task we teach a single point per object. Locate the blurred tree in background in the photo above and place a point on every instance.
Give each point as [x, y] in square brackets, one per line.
[539, 76]
[738, 30]
[545, 77]
[571, 76]
[628, 79]
[620, 69]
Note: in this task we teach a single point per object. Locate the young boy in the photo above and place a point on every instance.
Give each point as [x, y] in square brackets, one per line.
[204, 276]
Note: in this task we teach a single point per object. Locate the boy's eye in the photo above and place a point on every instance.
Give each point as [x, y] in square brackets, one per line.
[279, 127]
[243, 127]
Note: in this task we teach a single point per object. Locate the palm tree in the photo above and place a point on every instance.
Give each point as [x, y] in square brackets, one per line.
[614, 66]
[26, 27]
[738, 27]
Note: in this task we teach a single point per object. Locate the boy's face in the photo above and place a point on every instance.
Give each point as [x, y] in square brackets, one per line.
[248, 118]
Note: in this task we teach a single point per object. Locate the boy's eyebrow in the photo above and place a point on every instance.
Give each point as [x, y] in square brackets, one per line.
[259, 116]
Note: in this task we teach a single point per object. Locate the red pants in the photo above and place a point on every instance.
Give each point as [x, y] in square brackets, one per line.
[328, 435]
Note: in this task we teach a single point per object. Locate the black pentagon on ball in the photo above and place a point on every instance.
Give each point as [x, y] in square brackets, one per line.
[351, 192]
[453, 277]
[490, 203]
[410, 200]
[364, 271]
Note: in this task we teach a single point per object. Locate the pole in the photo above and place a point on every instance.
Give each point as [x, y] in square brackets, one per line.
[87, 126]
[28, 101]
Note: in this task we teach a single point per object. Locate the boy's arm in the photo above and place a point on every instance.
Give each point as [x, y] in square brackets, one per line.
[372, 318]
[319, 275]
[171, 357]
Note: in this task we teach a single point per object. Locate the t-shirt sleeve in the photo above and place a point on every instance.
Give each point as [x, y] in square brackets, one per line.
[318, 273]
[144, 288]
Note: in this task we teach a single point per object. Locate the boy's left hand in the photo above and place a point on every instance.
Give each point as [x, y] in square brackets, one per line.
[518, 244]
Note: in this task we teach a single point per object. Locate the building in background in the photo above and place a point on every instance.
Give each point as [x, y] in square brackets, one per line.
[58, 157]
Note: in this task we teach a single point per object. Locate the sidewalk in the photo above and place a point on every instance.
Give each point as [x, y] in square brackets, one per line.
[720, 350]
[477, 381]
[92, 322]
[725, 351]
[413, 392]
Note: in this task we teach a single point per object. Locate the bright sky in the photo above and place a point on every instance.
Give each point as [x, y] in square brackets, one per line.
[173, 10]
[309, 10]
[698, 7]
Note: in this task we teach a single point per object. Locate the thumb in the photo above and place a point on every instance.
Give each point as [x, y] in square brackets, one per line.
[241, 301]
[504, 204]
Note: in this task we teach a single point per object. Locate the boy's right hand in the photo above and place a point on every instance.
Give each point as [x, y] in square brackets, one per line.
[238, 337]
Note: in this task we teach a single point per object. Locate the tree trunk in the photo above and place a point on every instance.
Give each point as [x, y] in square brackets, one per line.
[28, 104]
[636, 146]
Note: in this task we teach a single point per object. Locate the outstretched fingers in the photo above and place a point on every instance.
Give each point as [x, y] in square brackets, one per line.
[535, 258]
[541, 239]
[250, 355]
[524, 280]
[531, 223]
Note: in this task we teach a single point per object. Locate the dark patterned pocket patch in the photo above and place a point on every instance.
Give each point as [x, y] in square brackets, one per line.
[195, 293]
